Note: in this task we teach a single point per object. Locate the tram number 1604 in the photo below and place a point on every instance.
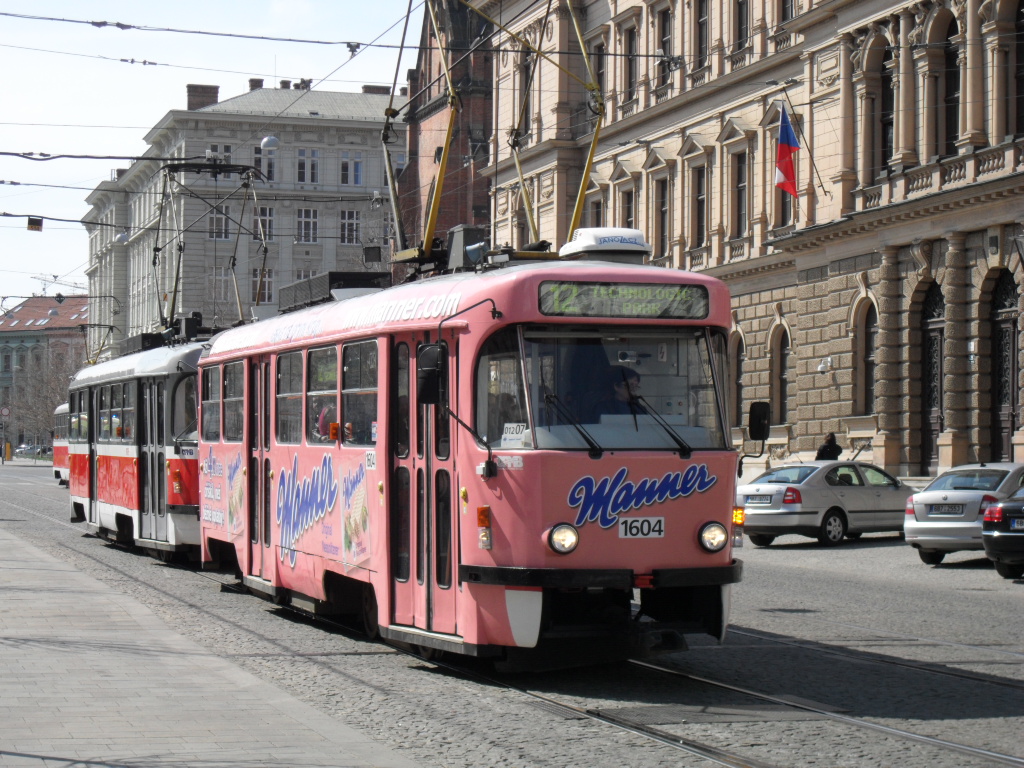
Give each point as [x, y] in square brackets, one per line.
[641, 527]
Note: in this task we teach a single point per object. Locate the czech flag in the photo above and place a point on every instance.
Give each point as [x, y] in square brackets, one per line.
[785, 176]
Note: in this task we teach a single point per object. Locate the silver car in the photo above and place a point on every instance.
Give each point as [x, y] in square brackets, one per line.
[826, 500]
[947, 515]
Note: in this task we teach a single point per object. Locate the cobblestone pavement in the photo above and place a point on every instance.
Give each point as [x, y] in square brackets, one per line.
[437, 717]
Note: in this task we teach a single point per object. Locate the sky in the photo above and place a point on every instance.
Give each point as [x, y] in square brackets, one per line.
[66, 91]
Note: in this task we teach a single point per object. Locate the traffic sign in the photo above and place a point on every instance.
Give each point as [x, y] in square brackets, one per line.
[5, 412]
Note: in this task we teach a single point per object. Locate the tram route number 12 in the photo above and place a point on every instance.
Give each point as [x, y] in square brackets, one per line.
[641, 527]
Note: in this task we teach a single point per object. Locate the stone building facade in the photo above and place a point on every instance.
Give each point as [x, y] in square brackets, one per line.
[466, 194]
[42, 345]
[883, 303]
[168, 244]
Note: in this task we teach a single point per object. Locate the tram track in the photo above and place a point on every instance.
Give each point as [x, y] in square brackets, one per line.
[965, 749]
[571, 707]
[918, 666]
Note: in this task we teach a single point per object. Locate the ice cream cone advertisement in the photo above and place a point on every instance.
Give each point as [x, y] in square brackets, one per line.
[236, 495]
[355, 518]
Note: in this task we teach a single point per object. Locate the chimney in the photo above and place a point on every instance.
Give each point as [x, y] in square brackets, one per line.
[255, 83]
[403, 91]
[200, 96]
[286, 84]
[381, 90]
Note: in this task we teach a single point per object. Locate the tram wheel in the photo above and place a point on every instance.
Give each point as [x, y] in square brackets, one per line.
[428, 654]
[370, 626]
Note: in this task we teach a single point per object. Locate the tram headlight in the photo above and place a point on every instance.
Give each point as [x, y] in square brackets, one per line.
[713, 537]
[563, 538]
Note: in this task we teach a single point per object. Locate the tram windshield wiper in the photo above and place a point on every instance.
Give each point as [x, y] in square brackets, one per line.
[685, 451]
[596, 450]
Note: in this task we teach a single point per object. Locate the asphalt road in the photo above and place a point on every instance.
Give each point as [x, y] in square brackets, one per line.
[865, 630]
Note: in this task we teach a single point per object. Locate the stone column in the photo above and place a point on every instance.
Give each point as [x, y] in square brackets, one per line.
[906, 114]
[953, 441]
[846, 179]
[888, 355]
[973, 93]
[997, 68]
[864, 121]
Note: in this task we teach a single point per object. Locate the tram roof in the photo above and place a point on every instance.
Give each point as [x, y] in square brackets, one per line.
[425, 303]
[149, 362]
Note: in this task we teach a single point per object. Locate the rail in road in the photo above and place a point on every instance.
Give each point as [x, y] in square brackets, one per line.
[783, 691]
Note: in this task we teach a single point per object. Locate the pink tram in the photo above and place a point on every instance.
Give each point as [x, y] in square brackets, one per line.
[132, 444]
[468, 464]
[60, 444]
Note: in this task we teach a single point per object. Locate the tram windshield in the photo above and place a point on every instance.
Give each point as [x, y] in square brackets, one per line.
[602, 388]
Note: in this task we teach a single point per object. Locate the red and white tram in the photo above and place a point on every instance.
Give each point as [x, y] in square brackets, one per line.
[60, 444]
[466, 462]
[133, 449]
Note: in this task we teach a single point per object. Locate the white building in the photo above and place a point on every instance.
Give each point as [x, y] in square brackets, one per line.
[169, 243]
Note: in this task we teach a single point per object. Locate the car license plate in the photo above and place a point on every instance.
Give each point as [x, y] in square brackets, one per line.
[759, 499]
[641, 527]
[1017, 522]
[947, 509]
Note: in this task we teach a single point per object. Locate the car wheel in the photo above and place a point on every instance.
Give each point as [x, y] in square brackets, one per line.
[1010, 570]
[854, 535]
[760, 539]
[930, 556]
[833, 528]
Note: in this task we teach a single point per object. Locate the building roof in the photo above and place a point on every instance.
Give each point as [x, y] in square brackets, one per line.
[34, 314]
[282, 102]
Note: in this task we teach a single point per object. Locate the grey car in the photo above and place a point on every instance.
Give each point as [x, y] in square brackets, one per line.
[947, 515]
[827, 500]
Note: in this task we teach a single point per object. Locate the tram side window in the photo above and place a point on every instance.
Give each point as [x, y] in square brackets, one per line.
[183, 410]
[501, 417]
[128, 413]
[234, 403]
[289, 398]
[116, 403]
[73, 417]
[400, 407]
[359, 393]
[104, 409]
[83, 415]
[321, 394]
[211, 404]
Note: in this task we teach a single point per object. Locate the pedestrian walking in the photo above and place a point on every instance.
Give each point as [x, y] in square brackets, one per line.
[829, 450]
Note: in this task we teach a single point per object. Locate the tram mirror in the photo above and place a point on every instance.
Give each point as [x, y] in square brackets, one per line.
[430, 363]
[760, 413]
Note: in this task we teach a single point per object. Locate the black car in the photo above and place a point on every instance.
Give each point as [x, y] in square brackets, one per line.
[1002, 532]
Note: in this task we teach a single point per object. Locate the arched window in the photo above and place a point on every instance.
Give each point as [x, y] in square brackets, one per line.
[949, 91]
[869, 334]
[780, 361]
[885, 110]
[742, 19]
[525, 88]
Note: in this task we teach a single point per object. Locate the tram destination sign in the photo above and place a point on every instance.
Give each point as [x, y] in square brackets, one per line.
[629, 300]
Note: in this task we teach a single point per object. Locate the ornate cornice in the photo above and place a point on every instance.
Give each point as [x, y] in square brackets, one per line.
[863, 222]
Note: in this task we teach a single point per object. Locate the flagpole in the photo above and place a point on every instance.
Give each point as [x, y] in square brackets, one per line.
[803, 137]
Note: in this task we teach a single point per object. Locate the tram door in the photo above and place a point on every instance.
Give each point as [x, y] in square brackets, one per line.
[92, 405]
[424, 524]
[259, 475]
[152, 474]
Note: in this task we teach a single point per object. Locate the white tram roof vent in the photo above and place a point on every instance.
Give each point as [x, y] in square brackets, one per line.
[618, 244]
